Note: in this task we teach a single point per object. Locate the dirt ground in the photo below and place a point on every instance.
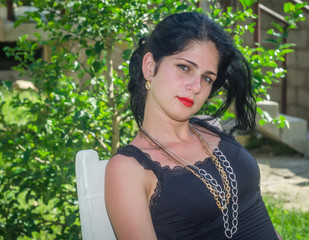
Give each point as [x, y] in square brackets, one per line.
[285, 178]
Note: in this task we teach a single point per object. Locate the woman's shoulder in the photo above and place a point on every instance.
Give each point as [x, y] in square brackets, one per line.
[134, 149]
[122, 161]
[137, 152]
[124, 167]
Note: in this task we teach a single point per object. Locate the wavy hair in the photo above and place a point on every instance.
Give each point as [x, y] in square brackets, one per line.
[174, 34]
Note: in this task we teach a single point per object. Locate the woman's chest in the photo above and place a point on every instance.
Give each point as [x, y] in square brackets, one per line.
[183, 197]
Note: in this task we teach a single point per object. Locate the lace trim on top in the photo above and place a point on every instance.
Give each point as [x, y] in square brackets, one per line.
[145, 160]
[177, 170]
[148, 163]
[155, 197]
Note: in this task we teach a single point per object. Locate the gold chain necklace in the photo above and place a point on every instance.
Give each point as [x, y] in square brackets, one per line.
[214, 188]
[218, 165]
[166, 152]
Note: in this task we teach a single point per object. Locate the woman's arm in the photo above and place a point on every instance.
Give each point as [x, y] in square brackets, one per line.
[279, 237]
[126, 199]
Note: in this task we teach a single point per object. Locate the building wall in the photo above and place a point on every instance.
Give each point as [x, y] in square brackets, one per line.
[297, 63]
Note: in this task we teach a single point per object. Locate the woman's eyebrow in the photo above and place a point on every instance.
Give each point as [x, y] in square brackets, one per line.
[196, 66]
[190, 62]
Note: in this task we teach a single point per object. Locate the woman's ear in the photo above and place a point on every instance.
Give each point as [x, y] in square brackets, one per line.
[148, 66]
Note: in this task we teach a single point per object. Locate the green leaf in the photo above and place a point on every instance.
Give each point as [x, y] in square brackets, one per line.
[287, 45]
[98, 47]
[181, 7]
[26, 155]
[97, 66]
[90, 52]
[126, 54]
[270, 40]
[19, 21]
[71, 219]
[247, 3]
[286, 51]
[23, 38]
[288, 7]
[97, 112]
[271, 64]
[216, 12]
[278, 26]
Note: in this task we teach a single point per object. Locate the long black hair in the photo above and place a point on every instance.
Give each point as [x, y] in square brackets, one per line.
[173, 35]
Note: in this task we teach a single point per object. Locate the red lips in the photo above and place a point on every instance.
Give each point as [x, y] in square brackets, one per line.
[186, 101]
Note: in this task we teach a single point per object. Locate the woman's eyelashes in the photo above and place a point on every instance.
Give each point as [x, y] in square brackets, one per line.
[183, 67]
[187, 69]
[207, 79]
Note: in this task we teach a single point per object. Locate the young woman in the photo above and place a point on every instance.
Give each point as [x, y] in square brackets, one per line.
[180, 177]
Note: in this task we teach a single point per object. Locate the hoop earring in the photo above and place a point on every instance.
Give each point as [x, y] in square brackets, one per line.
[147, 85]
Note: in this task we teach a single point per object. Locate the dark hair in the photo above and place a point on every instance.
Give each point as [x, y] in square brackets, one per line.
[173, 35]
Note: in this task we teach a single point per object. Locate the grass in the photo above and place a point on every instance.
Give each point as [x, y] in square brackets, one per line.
[290, 224]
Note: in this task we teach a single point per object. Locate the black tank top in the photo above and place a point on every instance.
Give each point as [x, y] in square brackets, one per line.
[182, 208]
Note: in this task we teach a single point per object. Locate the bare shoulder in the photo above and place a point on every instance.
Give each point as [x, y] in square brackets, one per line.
[119, 160]
[126, 198]
[120, 165]
[124, 177]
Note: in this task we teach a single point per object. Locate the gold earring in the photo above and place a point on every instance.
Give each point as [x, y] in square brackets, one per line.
[147, 85]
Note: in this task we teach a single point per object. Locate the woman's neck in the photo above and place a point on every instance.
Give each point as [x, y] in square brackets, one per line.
[168, 130]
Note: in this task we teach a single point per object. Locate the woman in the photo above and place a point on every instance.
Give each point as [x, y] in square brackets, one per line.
[181, 177]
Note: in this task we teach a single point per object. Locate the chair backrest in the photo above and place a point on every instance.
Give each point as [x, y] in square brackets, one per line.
[90, 172]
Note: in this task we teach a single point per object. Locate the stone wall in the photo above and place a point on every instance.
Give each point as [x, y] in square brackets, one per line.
[297, 64]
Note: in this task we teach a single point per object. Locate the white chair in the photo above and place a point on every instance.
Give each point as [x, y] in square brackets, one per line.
[90, 172]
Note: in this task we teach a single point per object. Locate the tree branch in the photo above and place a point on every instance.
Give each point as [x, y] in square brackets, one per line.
[35, 158]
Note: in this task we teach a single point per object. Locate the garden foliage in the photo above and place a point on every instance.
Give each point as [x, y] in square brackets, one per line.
[82, 101]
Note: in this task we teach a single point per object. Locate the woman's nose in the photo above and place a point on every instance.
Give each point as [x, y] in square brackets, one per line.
[194, 85]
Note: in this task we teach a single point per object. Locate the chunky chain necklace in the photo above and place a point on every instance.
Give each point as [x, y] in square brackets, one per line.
[222, 197]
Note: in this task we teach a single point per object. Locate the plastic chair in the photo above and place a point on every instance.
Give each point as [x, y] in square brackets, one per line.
[90, 173]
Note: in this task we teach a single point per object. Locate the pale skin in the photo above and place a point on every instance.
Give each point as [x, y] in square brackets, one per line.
[129, 186]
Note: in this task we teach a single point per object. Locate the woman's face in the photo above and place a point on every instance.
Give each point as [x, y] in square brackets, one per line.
[183, 81]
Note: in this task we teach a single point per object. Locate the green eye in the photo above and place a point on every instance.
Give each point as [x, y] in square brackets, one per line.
[207, 79]
[183, 67]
